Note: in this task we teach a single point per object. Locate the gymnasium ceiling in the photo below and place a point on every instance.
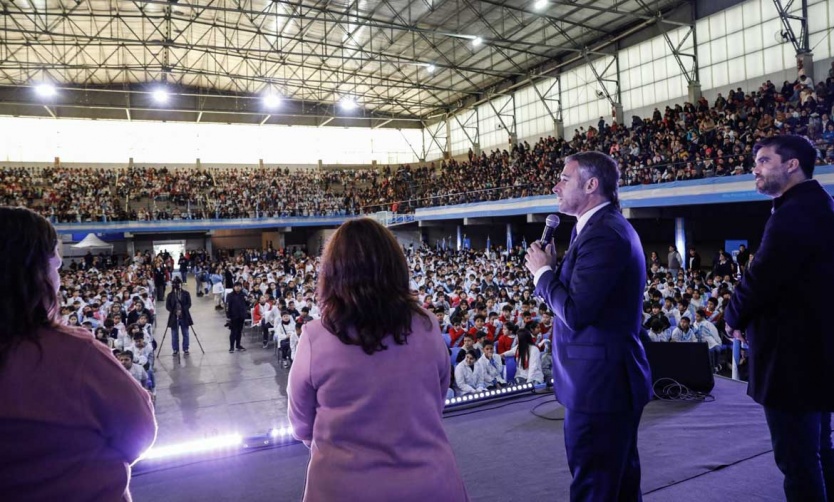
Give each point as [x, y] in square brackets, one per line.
[403, 61]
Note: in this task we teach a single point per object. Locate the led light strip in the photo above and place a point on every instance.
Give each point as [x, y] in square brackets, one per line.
[219, 444]
[486, 394]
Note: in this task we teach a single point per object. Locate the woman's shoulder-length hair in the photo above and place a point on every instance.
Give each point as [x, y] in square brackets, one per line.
[363, 289]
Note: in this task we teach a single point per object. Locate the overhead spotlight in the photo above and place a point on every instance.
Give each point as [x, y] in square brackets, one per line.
[348, 103]
[272, 100]
[477, 41]
[45, 90]
[430, 68]
[540, 4]
[160, 95]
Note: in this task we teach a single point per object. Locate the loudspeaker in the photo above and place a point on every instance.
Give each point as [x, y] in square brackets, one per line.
[686, 363]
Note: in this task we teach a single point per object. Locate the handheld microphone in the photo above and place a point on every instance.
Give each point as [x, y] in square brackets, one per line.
[550, 225]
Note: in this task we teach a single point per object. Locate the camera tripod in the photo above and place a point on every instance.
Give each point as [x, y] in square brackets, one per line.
[165, 333]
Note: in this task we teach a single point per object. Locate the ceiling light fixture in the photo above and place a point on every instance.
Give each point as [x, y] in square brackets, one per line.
[45, 90]
[540, 4]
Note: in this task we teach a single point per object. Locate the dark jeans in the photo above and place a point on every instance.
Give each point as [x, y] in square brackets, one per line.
[175, 336]
[160, 292]
[284, 345]
[236, 326]
[265, 326]
[802, 449]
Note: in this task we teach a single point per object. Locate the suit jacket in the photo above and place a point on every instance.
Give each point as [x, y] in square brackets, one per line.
[784, 302]
[185, 305]
[599, 364]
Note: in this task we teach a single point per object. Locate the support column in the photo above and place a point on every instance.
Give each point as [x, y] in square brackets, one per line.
[459, 239]
[559, 128]
[694, 91]
[680, 239]
[509, 238]
[617, 112]
[805, 64]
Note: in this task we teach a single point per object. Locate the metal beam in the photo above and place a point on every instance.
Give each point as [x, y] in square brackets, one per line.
[800, 43]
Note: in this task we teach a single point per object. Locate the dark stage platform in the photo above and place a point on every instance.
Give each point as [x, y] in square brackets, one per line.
[711, 451]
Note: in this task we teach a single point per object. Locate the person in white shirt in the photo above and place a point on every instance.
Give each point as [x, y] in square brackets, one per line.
[658, 333]
[138, 372]
[283, 330]
[671, 312]
[467, 377]
[708, 333]
[684, 332]
[528, 359]
[490, 367]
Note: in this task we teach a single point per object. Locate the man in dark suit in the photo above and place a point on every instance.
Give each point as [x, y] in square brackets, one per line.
[178, 304]
[600, 371]
[783, 304]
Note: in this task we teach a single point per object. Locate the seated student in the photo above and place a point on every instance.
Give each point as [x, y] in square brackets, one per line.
[480, 325]
[672, 314]
[142, 352]
[468, 346]
[658, 332]
[707, 332]
[456, 332]
[294, 339]
[490, 367]
[102, 336]
[528, 359]
[467, 380]
[507, 341]
[684, 332]
[283, 330]
[657, 315]
[138, 372]
[440, 314]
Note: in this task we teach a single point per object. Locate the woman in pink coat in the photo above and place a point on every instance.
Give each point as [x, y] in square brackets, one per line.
[72, 419]
[367, 388]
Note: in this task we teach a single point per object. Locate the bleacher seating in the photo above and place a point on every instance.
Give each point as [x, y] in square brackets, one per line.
[683, 142]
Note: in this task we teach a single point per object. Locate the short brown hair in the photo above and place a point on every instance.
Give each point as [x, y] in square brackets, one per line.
[364, 285]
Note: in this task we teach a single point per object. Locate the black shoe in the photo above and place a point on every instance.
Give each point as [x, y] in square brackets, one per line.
[241, 349]
[231, 350]
[185, 352]
[176, 352]
[266, 345]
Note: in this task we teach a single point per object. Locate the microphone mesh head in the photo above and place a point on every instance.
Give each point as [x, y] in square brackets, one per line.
[552, 220]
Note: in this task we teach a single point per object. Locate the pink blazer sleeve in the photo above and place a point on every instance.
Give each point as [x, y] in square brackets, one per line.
[301, 394]
[121, 408]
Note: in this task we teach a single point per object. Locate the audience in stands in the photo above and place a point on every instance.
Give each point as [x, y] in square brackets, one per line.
[683, 142]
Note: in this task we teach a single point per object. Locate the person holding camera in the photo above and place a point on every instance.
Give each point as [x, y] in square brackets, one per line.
[236, 311]
[178, 305]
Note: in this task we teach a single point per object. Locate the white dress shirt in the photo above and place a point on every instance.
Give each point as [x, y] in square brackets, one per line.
[580, 224]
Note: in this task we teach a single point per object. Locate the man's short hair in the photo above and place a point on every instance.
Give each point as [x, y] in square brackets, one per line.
[792, 146]
[603, 168]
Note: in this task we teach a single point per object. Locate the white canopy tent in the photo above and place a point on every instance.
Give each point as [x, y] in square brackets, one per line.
[92, 242]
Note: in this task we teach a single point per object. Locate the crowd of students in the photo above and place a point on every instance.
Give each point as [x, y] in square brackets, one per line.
[482, 299]
[683, 142]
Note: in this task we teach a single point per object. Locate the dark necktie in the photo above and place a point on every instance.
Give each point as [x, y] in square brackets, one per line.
[573, 235]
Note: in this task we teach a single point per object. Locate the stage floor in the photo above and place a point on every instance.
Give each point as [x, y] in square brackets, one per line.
[713, 451]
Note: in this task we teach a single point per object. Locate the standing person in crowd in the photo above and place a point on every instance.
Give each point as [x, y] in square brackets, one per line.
[58, 382]
[236, 311]
[600, 371]
[178, 304]
[159, 280]
[370, 378]
[782, 305]
[743, 257]
[675, 261]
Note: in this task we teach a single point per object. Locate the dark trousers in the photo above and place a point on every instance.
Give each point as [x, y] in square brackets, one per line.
[160, 292]
[802, 449]
[602, 455]
[236, 326]
[285, 350]
[265, 326]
